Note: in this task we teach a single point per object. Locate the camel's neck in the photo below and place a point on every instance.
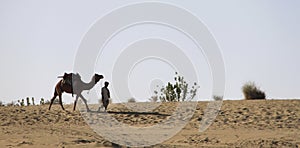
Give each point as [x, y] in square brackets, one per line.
[90, 85]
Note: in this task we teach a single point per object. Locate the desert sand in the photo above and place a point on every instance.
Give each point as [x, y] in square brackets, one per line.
[243, 123]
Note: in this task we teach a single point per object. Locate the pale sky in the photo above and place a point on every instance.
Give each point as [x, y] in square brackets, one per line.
[259, 41]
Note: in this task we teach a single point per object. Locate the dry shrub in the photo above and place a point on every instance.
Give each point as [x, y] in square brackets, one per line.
[131, 100]
[218, 98]
[1, 103]
[251, 91]
[10, 104]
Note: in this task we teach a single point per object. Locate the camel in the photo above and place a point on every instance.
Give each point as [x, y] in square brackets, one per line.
[71, 83]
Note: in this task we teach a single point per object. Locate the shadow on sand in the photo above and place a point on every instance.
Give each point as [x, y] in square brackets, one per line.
[138, 113]
[129, 113]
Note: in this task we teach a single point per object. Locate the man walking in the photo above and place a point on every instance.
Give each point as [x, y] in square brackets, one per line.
[105, 95]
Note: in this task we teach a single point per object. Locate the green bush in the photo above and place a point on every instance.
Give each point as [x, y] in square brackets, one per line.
[251, 91]
[22, 103]
[27, 100]
[32, 99]
[42, 101]
[179, 91]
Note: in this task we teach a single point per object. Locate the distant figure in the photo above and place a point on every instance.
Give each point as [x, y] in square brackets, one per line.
[105, 95]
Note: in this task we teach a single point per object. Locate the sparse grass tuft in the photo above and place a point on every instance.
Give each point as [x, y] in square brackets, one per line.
[218, 98]
[10, 104]
[251, 91]
[1, 103]
[131, 100]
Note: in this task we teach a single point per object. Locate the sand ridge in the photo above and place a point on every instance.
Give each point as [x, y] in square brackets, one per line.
[243, 123]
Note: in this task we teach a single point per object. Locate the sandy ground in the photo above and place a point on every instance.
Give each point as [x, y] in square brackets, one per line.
[257, 123]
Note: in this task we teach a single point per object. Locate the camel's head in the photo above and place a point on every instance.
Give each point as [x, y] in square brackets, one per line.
[98, 77]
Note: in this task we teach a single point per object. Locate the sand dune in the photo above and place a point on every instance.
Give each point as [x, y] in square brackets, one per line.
[271, 123]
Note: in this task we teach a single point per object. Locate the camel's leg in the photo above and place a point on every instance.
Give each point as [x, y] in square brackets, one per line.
[52, 100]
[60, 102]
[75, 102]
[85, 102]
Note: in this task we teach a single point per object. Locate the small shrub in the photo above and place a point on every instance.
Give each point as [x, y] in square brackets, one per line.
[131, 100]
[179, 91]
[42, 101]
[12, 103]
[32, 100]
[218, 98]
[1, 103]
[56, 101]
[22, 103]
[47, 102]
[27, 100]
[153, 99]
[251, 91]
